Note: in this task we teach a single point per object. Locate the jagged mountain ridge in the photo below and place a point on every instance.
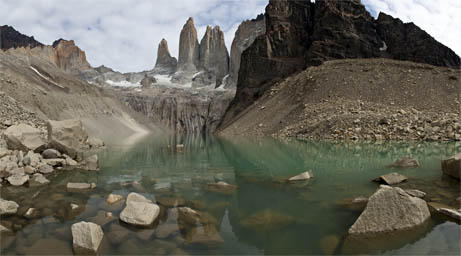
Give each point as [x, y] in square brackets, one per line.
[300, 34]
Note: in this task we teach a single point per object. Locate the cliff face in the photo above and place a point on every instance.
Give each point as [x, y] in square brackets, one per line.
[69, 57]
[165, 64]
[300, 34]
[10, 38]
[189, 51]
[213, 53]
[244, 37]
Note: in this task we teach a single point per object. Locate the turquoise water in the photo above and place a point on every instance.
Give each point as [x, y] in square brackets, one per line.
[263, 216]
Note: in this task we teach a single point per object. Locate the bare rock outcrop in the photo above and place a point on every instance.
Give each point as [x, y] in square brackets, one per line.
[244, 37]
[10, 38]
[70, 57]
[165, 64]
[189, 50]
[213, 53]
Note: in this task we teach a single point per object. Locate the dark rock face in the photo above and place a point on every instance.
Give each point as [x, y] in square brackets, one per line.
[244, 37]
[213, 53]
[300, 34]
[165, 64]
[189, 50]
[10, 38]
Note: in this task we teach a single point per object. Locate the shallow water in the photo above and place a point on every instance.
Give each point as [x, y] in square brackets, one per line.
[263, 216]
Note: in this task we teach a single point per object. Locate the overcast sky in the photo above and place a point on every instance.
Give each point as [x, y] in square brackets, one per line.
[124, 35]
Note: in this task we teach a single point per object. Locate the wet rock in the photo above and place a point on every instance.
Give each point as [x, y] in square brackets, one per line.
[303, 176]
[221, 187]
[8, 207]
[49, 246]
[38, 180]
[328, 244]
[187, 215]
[452, 166]
[171, 201]
[166, 230]
[390, 209]
[51, 154]
[4, 230]
[45, 169]
[67, 137]
[415, 193]
[139, 211]
[91, 163]
[24, 137]
[112, 198]
[267, 220]
[204, 236]
[391, 178]
[455, 214]
[102, 218]
[31, 213]
[406, 162]
[80, 186]
[145, 234]
[117, 234]
[18, 180]
[86, 237]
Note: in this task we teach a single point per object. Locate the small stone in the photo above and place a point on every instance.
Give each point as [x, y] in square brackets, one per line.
[303, 176]
[29, 170]
[31, 213]
[79, 186]
[112, 198]
[74, 206]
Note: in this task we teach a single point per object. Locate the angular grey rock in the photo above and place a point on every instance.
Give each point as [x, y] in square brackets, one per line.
[416, 193]
[452, 213]
[452, 166]
[391, 178]
[24, 137]
[213, 54]
[95, 143]
[78, 186]
[32, 159]
[91, 163]
[140, 213]
[390, 209]
[67, 136]
[303, 176]
[51, 153]
[8, 207]
[18, 179]
[86, 237]
[165, 64]
[189, 50]
[135, 197]
[406, 162]
[38, 179]
[45, 169]
[245, 35]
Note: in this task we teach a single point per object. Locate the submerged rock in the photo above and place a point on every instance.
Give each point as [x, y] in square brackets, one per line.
[8, 207]
[112, 198]
[166, 230]
[406, 162]
[31, 213]
[80, 186]
[221, 187]
[328, 244]
[303, 176]
[171, 201]
[390, 209]
[24, 137]
[204, 236]
[391, 178]
[267, 220]
[38, 179]
[86, 237]
[452, 166]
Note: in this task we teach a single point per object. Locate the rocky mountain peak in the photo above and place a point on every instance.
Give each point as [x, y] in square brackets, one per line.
[69, 57]
[165, 64]
[213, 53]
[189, 51]
[10, 38]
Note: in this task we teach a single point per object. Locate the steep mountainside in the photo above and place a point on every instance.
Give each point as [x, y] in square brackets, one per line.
[10, 38]
[300, 34]
[372, 99]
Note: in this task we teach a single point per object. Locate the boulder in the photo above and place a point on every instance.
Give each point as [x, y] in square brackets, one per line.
[303, 176]
[166, 230]
[18, 179]
[86, 237]
[91, 163]
[135, 197]
[79, 186]
[24, 137]
[32, 159]
[452, 166]
[390, 209]
[45, 169]
[67, 136]
[406, 162]
[391, 178]
[140, 213]
[55, 162]
[38, 179]
[95, 143]
[187, 215]
[415, 193]
[8, 207]
[112, 198]
[50, 154]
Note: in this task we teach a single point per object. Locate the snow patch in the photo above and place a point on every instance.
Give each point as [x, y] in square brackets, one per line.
[123, 84]
[46, 78]
[384, 48]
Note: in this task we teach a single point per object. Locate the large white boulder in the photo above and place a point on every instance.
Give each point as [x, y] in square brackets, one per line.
[390, 209]
[86, 237]
[139, 211]
[24, 137]
[68, 136]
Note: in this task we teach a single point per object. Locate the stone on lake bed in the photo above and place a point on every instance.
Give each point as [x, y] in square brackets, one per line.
[390, 209]
[452, 166]
[139, 211]
[415, 193]
[267, 220]
[135, 197]
[406, 162]
[113, 198]
[80, 186]
[8, 207]
[303, 176]
[102, 218]
[38, 179]
[328, 244]
[391, 178]
[221, 187]
[18, 180]
[171, 201]
[455, 214]
[166, 230]
[187, 215]
[86, 237]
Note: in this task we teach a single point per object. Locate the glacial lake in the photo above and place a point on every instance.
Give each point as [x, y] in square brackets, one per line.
[265, 215]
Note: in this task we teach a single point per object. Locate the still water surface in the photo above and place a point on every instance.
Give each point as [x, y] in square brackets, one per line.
[263, 216]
